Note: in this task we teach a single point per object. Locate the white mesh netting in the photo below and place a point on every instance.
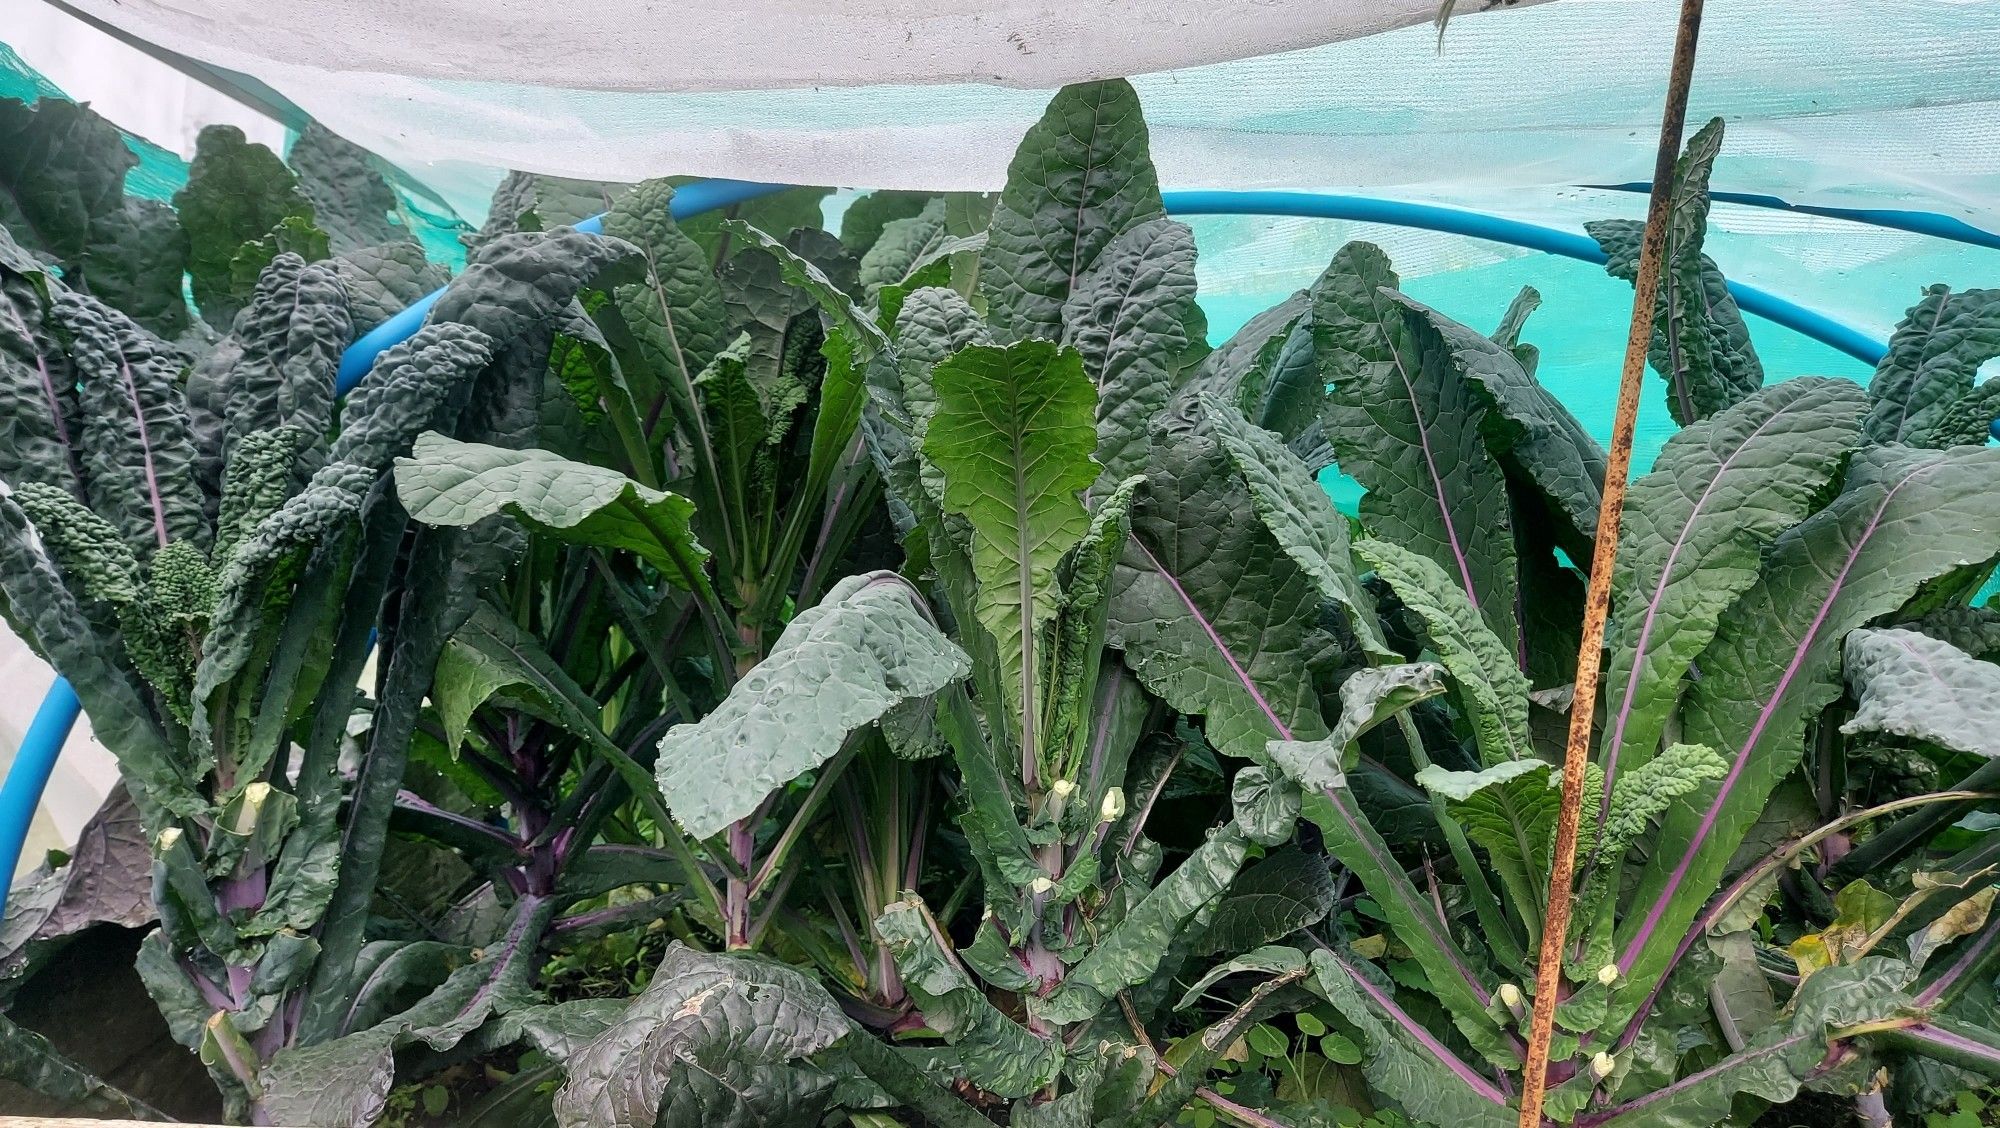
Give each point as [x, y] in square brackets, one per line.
[1888, 103]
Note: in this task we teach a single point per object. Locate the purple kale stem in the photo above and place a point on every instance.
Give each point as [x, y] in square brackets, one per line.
[411, 801]
[1439, 930]
[1974, 952]
[742, 835]
[1416, 1030]
[1615, 735]
[1437, 485]
[1590, 1119]
[833, 507]
[55, 406]
[241, 891]
[1958, 1046]
[146, 449]
[1242, 675]
[1700, 837]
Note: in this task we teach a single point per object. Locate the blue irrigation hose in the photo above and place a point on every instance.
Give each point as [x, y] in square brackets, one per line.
[1934, 224]
[29, 775]
[1498, 229]
[689, 200]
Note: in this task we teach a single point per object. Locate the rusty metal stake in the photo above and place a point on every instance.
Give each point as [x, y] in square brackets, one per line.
[1597, 600]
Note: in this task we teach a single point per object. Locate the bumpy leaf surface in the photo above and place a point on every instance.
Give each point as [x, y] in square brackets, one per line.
[407, 391]
[1693, 533]
[351, 201]
[1530, 431]
[1405, 424]
[1911, 685]
[1081, 176]
[1906, 516]
[382, 280]
[40, 424]
[520, 281]
[1299, 516]
[137, 450]
[1128, 316]
[840, 665]
[237, 193]
[62, 194]
[1701, 346]
[1932, 359]
[995, 1052]
[1491, 687]
[1210, 611]
[292, 334]
[713, 1042]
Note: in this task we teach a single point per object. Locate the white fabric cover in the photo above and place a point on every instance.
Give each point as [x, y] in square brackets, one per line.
[650, 45]
[1887, 103]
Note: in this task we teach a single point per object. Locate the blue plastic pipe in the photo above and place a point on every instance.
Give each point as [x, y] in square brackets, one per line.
[22, 792]
[29, 776]
[1498, 229]
[689, 200]
[1934, 224]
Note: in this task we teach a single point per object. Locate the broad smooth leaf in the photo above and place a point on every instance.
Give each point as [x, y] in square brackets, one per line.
[1013, 435]
[1906, 516]
[1080, 177]
[713, 1042]
[1509, 810]
[1129, 316]
[108, 879]
[1911, 685]
[1265, 805]
[1701, 345]
[1693, 534]
[840, 665]
[29, 1060]
[1407, 426]
[446, 482]
[1931, 363]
